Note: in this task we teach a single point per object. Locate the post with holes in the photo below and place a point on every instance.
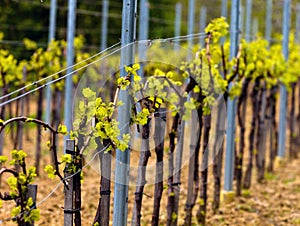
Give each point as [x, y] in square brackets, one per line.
[51, 36]
[104, 23]
[123, 157]
[69, 191]
[177, 29]
[32, 191]
[70, 62]
[231, 107]
[283, 89]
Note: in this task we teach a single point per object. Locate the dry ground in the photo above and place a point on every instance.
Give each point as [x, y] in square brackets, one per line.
[274, 202]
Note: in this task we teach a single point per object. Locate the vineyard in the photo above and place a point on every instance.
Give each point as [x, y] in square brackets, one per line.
[196, 129]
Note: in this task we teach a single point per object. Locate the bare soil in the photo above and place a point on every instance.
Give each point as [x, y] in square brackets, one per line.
[276, 201]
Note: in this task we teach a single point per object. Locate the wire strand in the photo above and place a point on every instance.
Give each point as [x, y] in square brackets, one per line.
[56, 73]
[172, 39]
[56, 187]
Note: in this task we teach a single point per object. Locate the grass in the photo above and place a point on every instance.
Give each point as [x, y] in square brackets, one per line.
[271, 176]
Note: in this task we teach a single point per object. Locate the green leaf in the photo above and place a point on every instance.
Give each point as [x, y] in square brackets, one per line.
[88, 93]
[22, 179]
[29, 120]
[12, 182]
[67, 158]
[34, 215]
[30, 202]
[29, 44]
[15, 211]
[62, 129]
[217, 28]
[18, 157]
[3, 159]
[50, 171]
[123, 83]
[142, 117]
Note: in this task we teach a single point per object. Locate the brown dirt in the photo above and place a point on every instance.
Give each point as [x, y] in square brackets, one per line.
[274, 202]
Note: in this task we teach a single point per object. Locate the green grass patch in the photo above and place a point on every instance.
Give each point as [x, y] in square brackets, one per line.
[289, 180]
[246, 193]
[271, 176]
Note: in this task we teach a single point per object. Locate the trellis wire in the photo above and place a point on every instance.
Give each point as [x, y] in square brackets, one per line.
[56, 73]
[172, 39]
[66, 178]
[57, 186]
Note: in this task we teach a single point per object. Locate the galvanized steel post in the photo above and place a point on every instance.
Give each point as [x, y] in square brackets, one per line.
[202, 24]
[223, 14]
[123, 157]
[224, 8]
[70, 62]
[283, 89]
[143, 29]
[191, 22]
[177, 29]
[269, 20]
[104, 23]
[248, 20]
[51, 36]
[297, 35]
[231, 104]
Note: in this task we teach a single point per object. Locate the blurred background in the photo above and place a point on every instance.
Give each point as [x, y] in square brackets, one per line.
[30, 19]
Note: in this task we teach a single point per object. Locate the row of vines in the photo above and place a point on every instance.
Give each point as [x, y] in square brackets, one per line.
[177, 111]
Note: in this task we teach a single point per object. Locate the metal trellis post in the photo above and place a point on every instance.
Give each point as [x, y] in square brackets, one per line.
[177, 29]
[241, 18]
[255, 27]
[223, 14]
[143, 30]
[297, 35]
[231, 104]
[269, 20]
[191, 17]
[51, 36]
[123, 157]
[70, 62]
[248, 20]
[104, 23]
[283, 89]
[224, 8]
[202, 24]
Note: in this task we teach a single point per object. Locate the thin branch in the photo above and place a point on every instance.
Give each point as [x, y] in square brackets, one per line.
[26, 119]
